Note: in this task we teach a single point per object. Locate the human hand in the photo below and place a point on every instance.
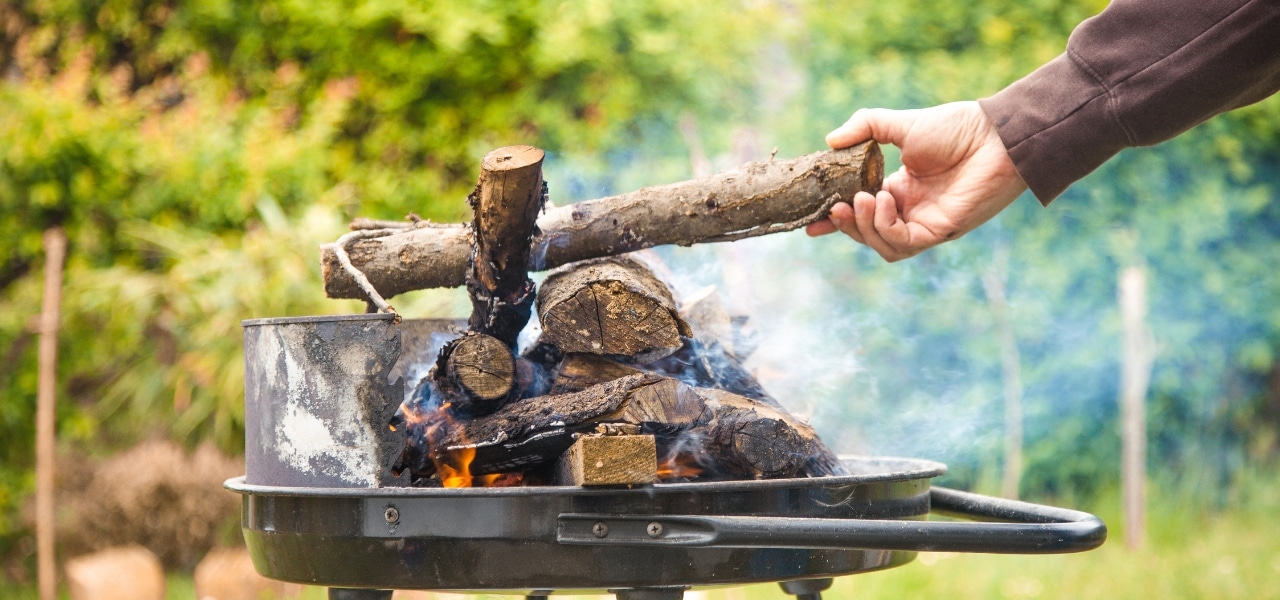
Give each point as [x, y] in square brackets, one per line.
[955, 176]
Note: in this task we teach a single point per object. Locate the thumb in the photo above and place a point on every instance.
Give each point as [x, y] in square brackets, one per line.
[882, 125]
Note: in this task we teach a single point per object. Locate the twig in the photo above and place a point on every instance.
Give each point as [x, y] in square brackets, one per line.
[340, 250]
[412, 221]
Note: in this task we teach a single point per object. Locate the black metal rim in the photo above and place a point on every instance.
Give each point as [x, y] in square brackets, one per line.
[896, 469]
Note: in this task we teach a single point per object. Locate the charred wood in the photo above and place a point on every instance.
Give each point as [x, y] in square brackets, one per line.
[505, 203]
[728, 436]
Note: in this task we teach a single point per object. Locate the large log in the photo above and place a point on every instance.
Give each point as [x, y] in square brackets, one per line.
[610, 306]
[755, 199]
[748, 438]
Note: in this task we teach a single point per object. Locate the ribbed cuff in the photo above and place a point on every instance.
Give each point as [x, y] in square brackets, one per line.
[1058, 125]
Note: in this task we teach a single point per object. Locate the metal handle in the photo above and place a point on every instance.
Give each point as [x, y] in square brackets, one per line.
[1028, 529]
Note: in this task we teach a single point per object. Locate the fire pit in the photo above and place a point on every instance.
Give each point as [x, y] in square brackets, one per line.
[324, 506]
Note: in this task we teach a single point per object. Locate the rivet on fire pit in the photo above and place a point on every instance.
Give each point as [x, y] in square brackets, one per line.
[600, 529]
[391, 514]
[654, 529]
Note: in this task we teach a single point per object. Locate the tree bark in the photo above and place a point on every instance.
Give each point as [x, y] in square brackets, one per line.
[613, 306]
[506, 203]
[755, 199]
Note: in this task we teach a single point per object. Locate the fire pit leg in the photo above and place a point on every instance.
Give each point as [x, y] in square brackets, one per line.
[358, 594]
[806, 589]
[652, 593]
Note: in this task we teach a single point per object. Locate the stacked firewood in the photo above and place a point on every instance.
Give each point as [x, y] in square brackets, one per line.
[626, 384]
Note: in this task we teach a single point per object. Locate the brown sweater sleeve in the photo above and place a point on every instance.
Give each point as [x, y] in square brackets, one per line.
[1137, 74]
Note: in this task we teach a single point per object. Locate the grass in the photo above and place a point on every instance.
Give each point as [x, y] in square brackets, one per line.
[1190, 552]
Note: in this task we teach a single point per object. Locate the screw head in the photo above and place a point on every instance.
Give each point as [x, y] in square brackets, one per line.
[600, 530]
[391, 514]
[654, 529]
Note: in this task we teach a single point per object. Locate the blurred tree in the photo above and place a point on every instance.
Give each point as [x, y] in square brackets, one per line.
[197, 152]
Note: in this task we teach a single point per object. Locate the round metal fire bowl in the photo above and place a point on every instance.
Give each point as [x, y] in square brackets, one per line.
[509, 539]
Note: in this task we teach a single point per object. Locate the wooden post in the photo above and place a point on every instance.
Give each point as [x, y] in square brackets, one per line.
[55, 247]
[1135, 374]
[1011, 368]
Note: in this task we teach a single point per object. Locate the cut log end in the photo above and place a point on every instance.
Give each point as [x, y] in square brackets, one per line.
[615, 307]
[480, 368]
[511, 158]
[608, 318]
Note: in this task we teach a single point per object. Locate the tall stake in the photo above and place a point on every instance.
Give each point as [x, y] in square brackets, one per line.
[55, 249]
[1011, 368]
[1135, 374]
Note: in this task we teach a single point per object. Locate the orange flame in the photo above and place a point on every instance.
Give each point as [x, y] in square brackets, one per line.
[455, 472]
[679, 465]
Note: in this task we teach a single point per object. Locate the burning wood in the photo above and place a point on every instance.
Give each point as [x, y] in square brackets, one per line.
[622, 387]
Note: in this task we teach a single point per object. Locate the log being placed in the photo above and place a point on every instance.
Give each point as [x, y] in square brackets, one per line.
[755, 199]
[613, 306]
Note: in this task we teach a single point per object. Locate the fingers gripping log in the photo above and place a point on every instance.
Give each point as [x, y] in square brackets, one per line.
[755, 199]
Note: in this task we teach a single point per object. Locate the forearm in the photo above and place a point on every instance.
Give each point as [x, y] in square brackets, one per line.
[1137, 74]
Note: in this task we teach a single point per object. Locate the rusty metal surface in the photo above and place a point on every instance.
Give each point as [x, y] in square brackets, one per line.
[316, 392]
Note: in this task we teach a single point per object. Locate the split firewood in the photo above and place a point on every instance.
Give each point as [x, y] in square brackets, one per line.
[580, 370]
[755, 199]
[505, 203]
[609, 460]
[614, 306]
